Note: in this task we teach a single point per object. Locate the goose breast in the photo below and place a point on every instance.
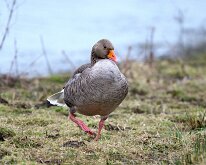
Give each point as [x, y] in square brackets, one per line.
[97, 90]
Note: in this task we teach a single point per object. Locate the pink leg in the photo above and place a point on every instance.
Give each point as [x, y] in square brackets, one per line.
[81, 124]
[101, 125]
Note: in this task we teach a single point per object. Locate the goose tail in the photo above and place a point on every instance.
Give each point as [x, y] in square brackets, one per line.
[57, 99]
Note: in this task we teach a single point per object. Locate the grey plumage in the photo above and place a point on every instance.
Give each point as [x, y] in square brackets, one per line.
[81, 69]
[97, 90]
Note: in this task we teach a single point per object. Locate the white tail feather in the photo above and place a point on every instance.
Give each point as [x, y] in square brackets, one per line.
[57, 99]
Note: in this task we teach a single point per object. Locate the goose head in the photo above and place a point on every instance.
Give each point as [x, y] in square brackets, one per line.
[103, 49]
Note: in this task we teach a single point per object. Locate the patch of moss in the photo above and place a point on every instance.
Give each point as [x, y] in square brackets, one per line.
[61, 79]
[197, 153]
[26, 142]
[192, 121]
[3, 152]
[62, 111]
[34, 121]
[136, 89]
[116, 157]
[5, 133]
[22, 111]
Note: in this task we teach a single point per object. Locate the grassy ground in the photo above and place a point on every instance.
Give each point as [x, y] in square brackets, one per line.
[162, 120]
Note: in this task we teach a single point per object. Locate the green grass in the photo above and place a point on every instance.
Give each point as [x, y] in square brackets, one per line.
[161, 121]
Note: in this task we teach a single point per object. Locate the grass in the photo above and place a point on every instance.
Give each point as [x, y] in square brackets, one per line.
[162, 121]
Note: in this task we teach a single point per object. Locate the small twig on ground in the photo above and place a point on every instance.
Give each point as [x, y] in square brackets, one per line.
[45, 55]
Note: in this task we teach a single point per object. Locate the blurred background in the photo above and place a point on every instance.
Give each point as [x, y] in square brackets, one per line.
[38, 38]
[161, 48]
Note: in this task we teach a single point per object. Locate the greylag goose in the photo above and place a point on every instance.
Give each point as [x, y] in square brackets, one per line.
[96, 88]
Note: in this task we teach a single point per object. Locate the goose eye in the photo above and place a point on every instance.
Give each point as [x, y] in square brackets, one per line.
[105, 47]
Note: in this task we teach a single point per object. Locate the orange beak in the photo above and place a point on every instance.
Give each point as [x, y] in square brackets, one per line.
[112, 56]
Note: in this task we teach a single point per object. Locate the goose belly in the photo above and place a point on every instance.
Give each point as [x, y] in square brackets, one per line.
[101, 98]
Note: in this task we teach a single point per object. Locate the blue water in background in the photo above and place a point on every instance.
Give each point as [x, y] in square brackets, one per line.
[75, 25]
